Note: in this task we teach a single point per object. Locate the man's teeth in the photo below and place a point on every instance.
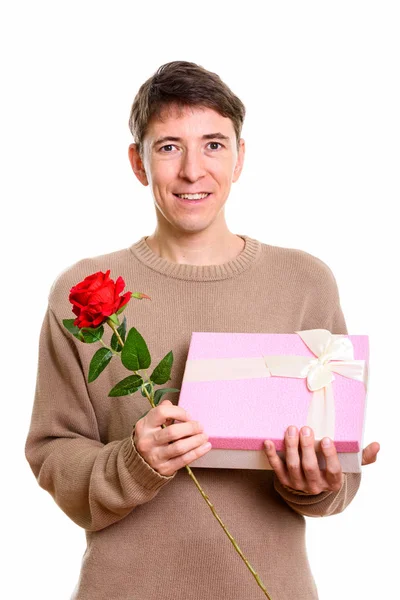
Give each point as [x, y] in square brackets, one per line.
[192, 196]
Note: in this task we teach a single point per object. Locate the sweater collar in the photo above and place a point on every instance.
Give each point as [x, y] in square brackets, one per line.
[142, 251]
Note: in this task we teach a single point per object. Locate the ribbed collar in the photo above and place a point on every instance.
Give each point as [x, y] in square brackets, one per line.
[142, 251]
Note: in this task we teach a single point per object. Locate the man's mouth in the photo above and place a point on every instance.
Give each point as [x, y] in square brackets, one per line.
[193, 197]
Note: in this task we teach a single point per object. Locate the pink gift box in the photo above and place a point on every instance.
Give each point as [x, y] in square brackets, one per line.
[233, 384]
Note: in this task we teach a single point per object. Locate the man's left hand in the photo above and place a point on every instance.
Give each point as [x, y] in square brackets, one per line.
[301, 471]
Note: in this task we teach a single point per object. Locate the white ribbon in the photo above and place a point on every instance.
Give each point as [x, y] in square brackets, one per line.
[333, 354]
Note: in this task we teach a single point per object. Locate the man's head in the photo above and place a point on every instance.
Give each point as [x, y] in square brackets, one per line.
[187, 123]
[183, 84]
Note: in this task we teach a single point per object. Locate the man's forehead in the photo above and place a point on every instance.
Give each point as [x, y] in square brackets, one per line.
[174, 121]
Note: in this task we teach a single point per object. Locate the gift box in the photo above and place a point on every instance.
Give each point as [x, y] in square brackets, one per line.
[245, 388]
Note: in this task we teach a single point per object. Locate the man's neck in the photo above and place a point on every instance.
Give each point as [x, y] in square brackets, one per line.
[196, 249]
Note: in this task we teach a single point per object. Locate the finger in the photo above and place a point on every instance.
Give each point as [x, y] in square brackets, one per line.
[334, 475]
[370, 453]
[176, 432]
[293, 463]
[309, 462]
[164, 411]
[173, 465]
[276, 463]
[183, 446]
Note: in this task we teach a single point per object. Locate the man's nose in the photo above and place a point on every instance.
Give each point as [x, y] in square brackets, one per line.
[192, 165]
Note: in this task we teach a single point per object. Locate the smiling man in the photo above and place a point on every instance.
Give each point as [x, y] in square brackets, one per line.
[190, 156]
[118, 474]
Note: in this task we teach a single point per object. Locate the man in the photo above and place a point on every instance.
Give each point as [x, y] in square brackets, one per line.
[149, 534]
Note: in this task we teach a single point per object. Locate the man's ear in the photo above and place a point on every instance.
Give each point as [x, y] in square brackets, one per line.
[239, 161]
[137, 164]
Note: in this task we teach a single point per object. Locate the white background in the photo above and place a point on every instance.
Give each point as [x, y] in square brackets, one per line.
[320, 82]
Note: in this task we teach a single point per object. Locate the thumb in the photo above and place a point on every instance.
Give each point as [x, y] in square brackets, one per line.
[168, 421]
[370, 453]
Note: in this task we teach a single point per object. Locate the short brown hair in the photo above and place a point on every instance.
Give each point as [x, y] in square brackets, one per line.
[183, 84]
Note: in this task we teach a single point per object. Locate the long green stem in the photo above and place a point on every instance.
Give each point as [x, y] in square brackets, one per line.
[213, 510]
[197, 484]
[230, 536]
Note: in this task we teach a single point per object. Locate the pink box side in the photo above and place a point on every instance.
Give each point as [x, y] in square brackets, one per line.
[246, 420]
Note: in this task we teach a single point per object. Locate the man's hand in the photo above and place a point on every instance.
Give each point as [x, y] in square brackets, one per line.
[301, 471]
[168, 449]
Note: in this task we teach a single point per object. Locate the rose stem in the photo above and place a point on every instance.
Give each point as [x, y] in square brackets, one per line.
[211, 506]
[202, 492]
[112, 325]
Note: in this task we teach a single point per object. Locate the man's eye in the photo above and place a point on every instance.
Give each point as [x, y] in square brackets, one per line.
[169, 147]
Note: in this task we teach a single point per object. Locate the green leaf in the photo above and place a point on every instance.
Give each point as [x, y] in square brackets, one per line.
[158, 394]
[148, 387]
[91, 335]
[115, 345]
[135, 354]
[162, 372]
[129, 385]
[120, 310]
[69, 324]
[98, 363]
[113, 318]
[88, 335]
[76, 332]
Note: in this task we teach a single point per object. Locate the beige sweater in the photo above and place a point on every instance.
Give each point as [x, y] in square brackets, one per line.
[149, 536]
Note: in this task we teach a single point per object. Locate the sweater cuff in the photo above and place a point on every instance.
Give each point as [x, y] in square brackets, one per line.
[142, 472]
[299, 497]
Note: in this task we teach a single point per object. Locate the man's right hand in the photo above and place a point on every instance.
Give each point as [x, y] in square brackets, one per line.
[168, 449]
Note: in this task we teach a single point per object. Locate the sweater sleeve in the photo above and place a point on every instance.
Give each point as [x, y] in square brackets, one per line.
[95, 484]
[325, 503]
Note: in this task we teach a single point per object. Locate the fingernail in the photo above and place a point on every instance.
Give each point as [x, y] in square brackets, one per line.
[188, 416]
[326, 442]
[292, 431]
[207, 446]
[306, 431]
[267, 445]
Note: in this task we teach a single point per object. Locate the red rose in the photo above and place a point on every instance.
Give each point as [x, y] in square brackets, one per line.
[96, 298]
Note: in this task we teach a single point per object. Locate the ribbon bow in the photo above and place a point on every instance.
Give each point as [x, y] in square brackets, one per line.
[334, 354]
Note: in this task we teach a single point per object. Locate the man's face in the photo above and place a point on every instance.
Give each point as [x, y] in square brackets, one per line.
[192, 150]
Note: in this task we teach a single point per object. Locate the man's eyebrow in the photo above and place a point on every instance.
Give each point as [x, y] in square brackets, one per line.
[206, 136]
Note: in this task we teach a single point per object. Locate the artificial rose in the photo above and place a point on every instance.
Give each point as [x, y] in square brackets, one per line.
[96, 298]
